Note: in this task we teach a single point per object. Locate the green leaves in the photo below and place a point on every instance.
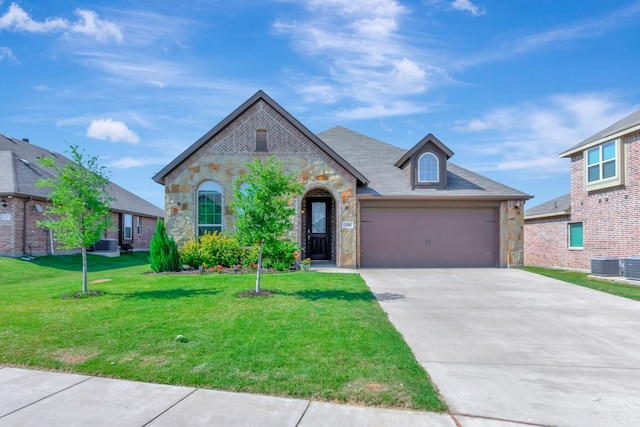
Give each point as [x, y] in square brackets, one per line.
[262, 208]
[80, 205]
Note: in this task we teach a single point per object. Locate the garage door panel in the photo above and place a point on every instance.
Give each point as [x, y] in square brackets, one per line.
[428, 237]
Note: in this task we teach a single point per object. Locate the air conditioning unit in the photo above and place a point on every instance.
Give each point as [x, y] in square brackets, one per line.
[605, 266]
[632, 268]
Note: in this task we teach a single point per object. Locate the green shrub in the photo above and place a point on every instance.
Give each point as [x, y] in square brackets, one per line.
[278, 254]
[212, 249]
[163, 251]
[190, 254]
[217, 249]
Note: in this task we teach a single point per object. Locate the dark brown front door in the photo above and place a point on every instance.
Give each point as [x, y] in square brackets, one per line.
[318, 228]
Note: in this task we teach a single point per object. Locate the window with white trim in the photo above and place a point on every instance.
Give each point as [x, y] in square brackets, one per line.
[209, 208]
[138, 225]
[428, 168]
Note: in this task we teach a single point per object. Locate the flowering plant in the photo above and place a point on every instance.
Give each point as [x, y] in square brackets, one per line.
[306, 261]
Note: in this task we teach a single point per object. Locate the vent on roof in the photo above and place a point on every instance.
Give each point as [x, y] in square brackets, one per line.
[25, 140]
[25, 161]
[605, 266]
[632, 267]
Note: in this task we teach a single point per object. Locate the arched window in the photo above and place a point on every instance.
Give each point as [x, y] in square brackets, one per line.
[209, 208]
[428, 170]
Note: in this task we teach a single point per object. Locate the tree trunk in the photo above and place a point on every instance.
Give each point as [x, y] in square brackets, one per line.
[259, 267]
[84, 270]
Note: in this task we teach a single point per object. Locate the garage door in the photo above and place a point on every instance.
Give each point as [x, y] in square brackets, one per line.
[428, 237]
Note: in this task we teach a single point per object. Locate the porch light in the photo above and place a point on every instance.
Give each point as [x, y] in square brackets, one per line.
[3, 202]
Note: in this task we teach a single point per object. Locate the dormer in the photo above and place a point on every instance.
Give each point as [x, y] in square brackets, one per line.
[427, 163]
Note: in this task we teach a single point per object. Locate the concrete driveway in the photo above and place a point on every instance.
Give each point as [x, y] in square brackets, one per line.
[507, 346]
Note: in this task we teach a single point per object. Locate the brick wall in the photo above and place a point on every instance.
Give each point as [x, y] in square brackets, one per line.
[12, 233]
[609, 217]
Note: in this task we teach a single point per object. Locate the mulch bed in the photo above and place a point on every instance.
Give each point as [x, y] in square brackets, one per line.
[253, 294]
[79, 294]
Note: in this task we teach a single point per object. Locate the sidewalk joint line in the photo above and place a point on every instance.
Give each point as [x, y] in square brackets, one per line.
[304, 413]
[483, 417]
[46, 397]
[170, 407]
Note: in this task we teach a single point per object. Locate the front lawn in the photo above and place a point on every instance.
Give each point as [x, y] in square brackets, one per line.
[577, 278]
[321, 336]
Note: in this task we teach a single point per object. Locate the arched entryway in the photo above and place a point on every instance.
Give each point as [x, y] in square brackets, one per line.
[318, 225]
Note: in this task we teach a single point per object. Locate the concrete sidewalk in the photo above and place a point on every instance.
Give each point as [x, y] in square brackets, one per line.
[39, 398]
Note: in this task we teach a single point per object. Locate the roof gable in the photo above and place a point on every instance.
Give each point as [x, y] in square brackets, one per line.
[259, 96]
[429, 139]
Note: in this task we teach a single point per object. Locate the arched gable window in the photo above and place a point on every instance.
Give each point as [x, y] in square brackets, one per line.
[428, 169]
[209, 207]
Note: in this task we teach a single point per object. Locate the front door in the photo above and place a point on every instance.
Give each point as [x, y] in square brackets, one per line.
[318, 228]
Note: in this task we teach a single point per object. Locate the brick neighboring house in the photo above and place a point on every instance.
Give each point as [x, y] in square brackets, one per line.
[600, 215]
[22, 203]
[365, 203]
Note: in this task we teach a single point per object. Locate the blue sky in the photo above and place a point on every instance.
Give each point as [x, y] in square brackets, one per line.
[506, 85]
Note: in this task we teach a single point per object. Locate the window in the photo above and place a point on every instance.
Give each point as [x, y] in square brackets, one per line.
[604, 165]
[575, 235]
[138, 225]
[209, 208]
[127, 224]
[601, 162]
[428, 168]
[261, 140]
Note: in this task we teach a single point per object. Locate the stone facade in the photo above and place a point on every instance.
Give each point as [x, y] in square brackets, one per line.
[223, 158]
[511, 234]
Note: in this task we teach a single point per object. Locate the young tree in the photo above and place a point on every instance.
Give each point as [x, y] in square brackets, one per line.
[163, 251]
[262, 206]
[80, 205]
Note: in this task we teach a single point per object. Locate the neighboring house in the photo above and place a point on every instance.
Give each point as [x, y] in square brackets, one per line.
[365, 203]
[22, 204]
[599, 218]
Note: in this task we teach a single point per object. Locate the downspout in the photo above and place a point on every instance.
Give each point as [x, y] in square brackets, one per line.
[24, 225]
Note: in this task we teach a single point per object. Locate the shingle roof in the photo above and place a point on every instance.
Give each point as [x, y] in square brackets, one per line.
[555, 207]
[628, 122]
[376, 160]
[20, 170]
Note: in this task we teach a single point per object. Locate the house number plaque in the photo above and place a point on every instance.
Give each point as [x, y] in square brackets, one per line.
[347, 224]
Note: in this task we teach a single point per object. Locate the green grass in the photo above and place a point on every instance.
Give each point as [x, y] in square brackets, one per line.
[322, 336]
[577, 278]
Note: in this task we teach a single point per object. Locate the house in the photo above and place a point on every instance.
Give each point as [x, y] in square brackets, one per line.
[599, 218]
[365, 203]
[22, 204]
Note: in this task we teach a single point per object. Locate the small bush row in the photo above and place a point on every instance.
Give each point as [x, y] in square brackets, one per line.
[213, 249]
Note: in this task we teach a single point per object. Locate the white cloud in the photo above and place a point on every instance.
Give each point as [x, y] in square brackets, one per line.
[467, 6]
[398, 108]
[88, 23]
[529, 137]
[6, 53]
[125, 163]
[112, 130]
[367, 59]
